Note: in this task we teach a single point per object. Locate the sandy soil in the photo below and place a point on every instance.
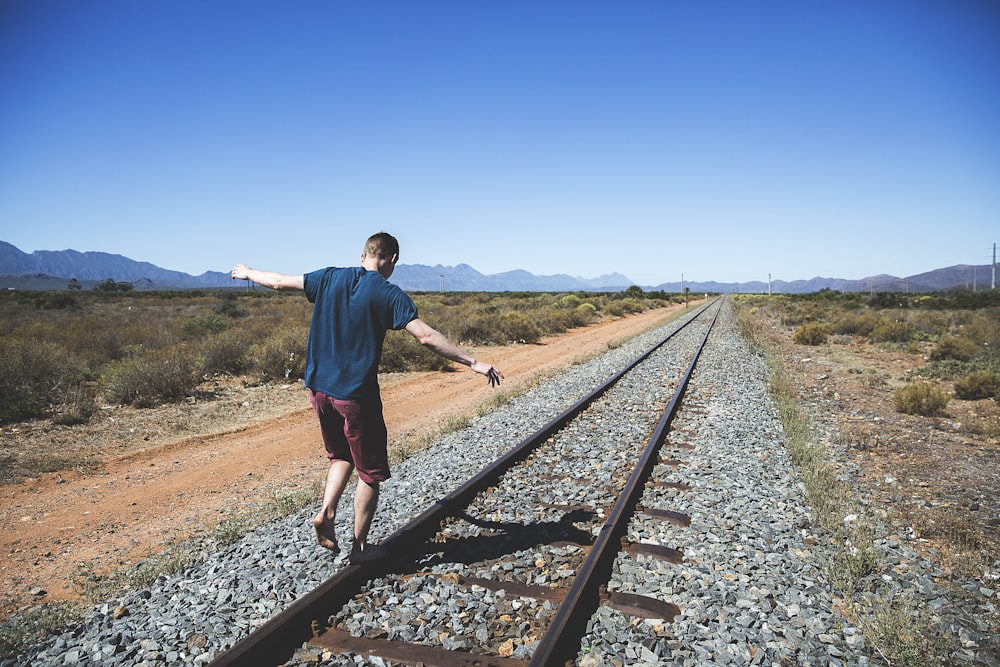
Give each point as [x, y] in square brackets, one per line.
[146, 487]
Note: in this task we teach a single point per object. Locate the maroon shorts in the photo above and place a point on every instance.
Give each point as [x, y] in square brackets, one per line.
[354, 432]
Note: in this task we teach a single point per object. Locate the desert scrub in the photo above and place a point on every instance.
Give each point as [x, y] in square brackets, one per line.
[978, 385]
[855, 324]
[150, 377]
[622, 307]
[922, 399]
[811, 333]
[895, 331]
[515, 327]
[224, 353]
[33, 374]
[954, 347]
[281, 355]
[402, 353]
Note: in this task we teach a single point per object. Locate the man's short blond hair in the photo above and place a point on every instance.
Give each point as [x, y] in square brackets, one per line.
[382, 245]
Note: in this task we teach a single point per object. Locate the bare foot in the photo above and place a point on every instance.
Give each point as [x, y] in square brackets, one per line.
[325, 535]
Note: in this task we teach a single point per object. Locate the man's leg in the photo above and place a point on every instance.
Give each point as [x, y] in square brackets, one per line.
[365, 504]
[336, 481]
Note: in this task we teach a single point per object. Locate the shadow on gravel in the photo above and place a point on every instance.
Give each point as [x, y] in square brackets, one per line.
[499, 540]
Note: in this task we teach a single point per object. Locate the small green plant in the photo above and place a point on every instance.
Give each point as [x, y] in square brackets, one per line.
[903, 635]
[34, 626]
[811, 333]
[978, 385]
[920, 398]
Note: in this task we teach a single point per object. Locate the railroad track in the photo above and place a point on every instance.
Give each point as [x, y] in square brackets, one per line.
[516, 561]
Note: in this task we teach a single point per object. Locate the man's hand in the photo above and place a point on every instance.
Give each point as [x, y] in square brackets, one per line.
[240, 272]
[493, 375]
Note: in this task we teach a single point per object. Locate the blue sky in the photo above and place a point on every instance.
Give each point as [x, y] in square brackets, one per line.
[723, 141]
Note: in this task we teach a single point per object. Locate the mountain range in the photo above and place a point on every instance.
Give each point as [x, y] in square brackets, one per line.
[52, 269]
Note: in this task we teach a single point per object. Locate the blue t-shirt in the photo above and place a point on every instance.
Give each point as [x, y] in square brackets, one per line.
[353, 308]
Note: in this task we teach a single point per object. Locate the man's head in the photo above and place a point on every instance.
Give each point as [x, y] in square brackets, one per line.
[381, 253]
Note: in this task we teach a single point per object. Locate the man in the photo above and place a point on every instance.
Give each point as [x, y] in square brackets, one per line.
[353, 309]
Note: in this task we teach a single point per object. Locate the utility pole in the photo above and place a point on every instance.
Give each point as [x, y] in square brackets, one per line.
[769, 284]
[442, 283]
[993, 284]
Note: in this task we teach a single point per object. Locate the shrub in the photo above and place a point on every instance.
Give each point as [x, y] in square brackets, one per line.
[855, 324]
[203, 325]
[31, 374]
[622, 307]
[978, 385]
[229, 306]
[76, 406]
[584, 314]
[150, 377]
[282, 355]
[812, 333]
[921, 399]
[224, 353]
[518, 327]
[570, 301]
[897, 331]
[954, 347]
[401, 353]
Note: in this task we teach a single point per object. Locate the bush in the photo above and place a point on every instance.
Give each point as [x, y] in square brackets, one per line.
[978, 385]
[224, 353]
[150, 378]
[76, 406]
[622, 307]
[31, 375]
[282, 355]
[812, 333]
[401, 353]
[897, 331]
[921, 399]
[953, 347]
[204, 325]
[518, 328]
[584, 314]
[855, 324]
[570, 301]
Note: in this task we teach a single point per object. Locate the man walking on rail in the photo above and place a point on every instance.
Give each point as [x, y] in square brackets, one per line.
[353, 309]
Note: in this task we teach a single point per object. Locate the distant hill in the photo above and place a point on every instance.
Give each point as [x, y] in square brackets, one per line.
[52, 269]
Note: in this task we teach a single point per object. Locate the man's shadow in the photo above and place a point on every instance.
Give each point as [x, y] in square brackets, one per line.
[501, 539]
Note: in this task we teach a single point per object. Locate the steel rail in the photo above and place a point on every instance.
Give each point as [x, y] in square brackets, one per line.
[561, 642]
[274, 641]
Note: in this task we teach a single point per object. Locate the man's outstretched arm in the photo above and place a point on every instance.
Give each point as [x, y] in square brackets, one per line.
[436, 342]
[278, 281]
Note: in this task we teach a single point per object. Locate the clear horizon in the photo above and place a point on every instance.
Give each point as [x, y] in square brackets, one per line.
[986, 276]
[726, 143]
